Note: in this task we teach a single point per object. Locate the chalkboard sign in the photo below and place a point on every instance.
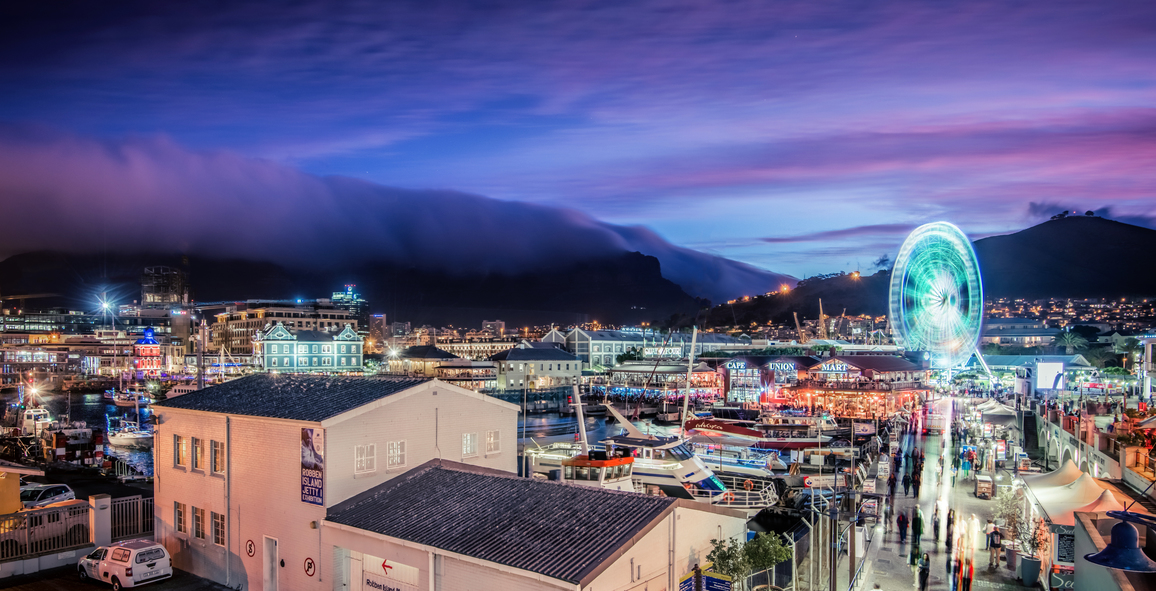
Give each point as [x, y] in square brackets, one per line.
[1066, 548]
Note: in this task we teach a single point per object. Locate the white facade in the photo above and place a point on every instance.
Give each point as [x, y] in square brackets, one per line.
[654, 561]
[249, 502]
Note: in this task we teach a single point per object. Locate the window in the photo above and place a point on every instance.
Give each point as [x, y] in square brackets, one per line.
[365, 459]
[342, 361]
[493, 442]
[273, 361]
[180, 451]
[344, 348]
[218, 529]
[218, 448]
[314, 348]
[121, 554]
[395, 454]
[326, 348]
[353, 348]
[179, 518]
[302, 348]
[326, 361]
[198, 454]
[198, 523]
[469, 445]
[149, 555]
[315, 359]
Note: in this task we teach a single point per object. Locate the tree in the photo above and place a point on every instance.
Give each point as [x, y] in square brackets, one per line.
[631, 354]
[729, 559]
[1099, 356]
[765, 551]
[738, 559]
[1009, 508]
[1070, 341]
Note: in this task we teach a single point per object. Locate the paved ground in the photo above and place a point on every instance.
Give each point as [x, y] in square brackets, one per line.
[66, 579]
[85, 484]
[888, 560]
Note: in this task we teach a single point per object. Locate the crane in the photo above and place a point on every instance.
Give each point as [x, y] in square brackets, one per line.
[822, 322]
[799, 327]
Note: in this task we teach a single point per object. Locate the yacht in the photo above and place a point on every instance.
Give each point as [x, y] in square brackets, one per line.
[778, 435]
[132, 398]
[130, 434]
[596, 469]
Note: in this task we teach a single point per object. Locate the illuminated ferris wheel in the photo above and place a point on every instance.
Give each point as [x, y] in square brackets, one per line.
[937, 295]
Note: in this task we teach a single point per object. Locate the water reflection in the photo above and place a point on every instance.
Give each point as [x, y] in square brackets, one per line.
[94, 410]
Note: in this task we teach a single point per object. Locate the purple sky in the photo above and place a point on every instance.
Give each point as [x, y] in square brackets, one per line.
[800, 137]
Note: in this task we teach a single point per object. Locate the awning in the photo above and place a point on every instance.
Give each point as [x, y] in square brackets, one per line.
[1066, 474]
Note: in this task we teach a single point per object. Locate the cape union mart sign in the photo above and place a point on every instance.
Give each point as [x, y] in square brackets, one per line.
[834, 367]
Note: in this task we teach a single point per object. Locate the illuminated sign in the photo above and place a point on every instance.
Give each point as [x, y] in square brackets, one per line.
[662, 351]
[834, 367]
[782, 366]
[736, 364]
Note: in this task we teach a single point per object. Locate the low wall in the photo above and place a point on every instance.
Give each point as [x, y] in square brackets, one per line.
[34, 565]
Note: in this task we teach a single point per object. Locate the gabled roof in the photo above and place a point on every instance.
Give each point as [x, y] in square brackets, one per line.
[562, 531]
[879, 363]
[425, 352]
[1076, 360]
[533, 354]
[292, 396]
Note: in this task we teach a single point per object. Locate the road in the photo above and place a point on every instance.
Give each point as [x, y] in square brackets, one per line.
[66, 579]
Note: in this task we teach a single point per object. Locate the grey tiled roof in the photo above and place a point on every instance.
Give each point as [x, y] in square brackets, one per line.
[426, 352]
[562, 531]
[289, 396]
[533, 354]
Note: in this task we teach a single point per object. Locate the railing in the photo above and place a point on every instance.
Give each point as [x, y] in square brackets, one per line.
[132, 517]
[29, 534]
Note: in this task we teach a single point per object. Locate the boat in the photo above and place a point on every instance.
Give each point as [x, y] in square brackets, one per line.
[34, 421]
[132, 399]
[668, 413]
[130, 434]
[757, 434]
[740, 462]
[596, 469]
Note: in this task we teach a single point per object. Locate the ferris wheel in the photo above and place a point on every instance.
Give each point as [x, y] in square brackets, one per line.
[936, 301]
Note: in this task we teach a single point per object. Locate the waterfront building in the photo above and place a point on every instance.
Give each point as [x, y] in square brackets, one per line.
[527, 366]
[468, 374]
[246, 471]
[236, 326]
[1022, 332]
[601, 347]
[300, 350]
[646, 378]
[419, 360]
[864, 386]
[478, 346]
[147, 359]
[477, 533]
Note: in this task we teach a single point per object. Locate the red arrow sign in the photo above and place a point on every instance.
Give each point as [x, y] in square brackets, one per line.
[385, 566]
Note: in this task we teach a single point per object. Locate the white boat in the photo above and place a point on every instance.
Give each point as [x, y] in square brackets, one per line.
[34, 421]
[598, 470]
[132, 398]
[130, 434]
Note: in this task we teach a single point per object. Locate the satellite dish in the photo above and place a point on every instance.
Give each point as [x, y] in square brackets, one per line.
[936, 301]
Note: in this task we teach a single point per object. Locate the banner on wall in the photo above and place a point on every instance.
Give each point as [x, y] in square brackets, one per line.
[313, 466]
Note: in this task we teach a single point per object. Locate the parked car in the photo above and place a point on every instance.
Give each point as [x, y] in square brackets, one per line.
[38, 495]
[55, 527]
[127, 564]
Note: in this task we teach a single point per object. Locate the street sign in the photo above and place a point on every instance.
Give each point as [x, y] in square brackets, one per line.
[310, 567]
[824, 481]
[884, 468]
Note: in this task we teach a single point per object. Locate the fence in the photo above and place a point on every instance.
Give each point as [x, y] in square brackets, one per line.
[29, 534]
[132, 517]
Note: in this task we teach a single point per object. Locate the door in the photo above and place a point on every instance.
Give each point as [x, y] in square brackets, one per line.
[355, 579]
[271, 564]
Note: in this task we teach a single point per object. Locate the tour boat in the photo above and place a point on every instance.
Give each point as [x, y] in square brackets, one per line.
[596, 469]
[132, 398]
[757, 434]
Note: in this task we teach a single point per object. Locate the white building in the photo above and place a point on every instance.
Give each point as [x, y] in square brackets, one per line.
[246, 470]
[449, 526]
[535, 367]
[600, 347]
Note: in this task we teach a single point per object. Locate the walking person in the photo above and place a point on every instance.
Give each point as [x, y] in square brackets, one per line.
[924, 571]
[916, 525]
[950, 529]
[950, 571]
[891, 485]
[996, 545]
[966, 469]
[906, 485]
[935, 524]
[987, 529]
[915, 482]
[954, 473]
[966, 574]
[901, 523]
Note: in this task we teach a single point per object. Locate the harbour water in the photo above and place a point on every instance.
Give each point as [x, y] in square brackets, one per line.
[93, 409]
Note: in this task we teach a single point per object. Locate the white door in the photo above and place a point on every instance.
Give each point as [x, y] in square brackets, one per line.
[355, 579]
[271, 564]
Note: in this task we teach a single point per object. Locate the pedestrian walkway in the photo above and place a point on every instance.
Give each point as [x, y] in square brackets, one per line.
[890, 560]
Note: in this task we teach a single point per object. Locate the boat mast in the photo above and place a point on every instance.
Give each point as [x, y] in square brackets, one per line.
[689, 373]
[585, 445]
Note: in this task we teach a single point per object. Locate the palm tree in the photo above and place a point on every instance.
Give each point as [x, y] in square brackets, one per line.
[1099, 356]
[1070, 341]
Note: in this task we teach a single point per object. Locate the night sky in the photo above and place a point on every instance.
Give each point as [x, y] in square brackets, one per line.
[798, 137]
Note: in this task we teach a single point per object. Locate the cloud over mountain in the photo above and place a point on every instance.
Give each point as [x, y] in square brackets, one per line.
[148, 193]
